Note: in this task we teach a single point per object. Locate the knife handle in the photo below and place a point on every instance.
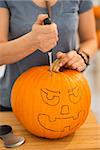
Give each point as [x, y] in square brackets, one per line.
[47, 21]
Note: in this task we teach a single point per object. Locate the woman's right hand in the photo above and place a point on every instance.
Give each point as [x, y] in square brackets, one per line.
[44, 36]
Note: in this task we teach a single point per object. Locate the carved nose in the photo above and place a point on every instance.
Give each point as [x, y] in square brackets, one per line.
[65, 109]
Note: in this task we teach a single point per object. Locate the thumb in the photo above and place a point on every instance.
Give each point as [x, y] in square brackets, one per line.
[41, 18]
[60, 55]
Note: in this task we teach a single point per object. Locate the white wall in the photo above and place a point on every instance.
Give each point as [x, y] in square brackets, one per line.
[96, 2]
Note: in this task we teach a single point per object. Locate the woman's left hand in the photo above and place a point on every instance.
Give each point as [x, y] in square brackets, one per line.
[71, 60]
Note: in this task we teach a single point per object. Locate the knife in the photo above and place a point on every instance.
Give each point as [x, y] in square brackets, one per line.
[47, 21]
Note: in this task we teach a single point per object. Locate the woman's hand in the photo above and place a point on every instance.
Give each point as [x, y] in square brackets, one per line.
[44, 36]
[70, 60]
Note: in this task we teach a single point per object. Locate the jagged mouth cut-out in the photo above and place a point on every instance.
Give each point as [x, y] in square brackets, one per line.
[67, 123]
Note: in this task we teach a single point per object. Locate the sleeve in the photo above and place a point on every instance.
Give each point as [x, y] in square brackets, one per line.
[85, 5]
[3, 4]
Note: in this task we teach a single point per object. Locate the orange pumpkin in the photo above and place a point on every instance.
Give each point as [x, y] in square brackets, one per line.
[51, 106]
[98, 38]
[97, 12]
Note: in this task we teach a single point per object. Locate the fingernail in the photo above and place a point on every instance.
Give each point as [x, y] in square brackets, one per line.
[57, 70]
[60, 64]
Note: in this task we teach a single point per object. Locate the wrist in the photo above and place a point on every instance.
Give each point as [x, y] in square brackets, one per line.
[33, 42]
[84, 55]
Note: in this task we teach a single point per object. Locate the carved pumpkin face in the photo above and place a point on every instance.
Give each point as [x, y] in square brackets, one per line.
[51, 107]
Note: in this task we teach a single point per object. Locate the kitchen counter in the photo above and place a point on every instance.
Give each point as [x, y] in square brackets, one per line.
[86, 138]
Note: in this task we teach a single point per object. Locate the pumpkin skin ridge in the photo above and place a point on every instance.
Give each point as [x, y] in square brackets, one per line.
[81, 75]
[59, 133]
[87, 90]
[88, 94]
[60, 81]
[53, 83]
[17, 81]
[59, 84]
[25, 76]
[37, 87]
[45, 105]
[47, 69]
[70, 78]
[20, 85]
[74, 85]
[26, 81]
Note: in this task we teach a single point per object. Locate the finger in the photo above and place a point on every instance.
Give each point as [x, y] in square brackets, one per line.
[72, 61]
[66, 57]
[55, 66]
[63, 62]
[69, 56]
[80, 69]
[46, 29]
[47, 46]
[48, 39]
[41, 18]
[55, 27]
[50, 36]
[61, 55]
[78, 64]
[75, 60]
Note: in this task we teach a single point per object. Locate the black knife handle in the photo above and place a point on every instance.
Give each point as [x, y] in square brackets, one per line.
[47, 21]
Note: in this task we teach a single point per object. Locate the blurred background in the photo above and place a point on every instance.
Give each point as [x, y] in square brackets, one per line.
[93, 71]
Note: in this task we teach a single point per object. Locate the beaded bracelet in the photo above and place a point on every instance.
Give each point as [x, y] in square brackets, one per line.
[86, 61]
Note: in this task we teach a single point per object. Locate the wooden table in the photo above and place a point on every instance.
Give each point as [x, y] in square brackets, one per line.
[86, 138]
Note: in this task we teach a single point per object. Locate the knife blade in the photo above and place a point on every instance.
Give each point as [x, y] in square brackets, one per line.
[48, 21]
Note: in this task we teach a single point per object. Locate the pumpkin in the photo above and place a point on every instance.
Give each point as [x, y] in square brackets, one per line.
[51, 106]
[97, 11]
[98, 38]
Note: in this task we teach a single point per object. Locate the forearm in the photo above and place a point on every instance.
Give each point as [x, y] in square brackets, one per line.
[15, 50]
[89, 46]
[87, 33]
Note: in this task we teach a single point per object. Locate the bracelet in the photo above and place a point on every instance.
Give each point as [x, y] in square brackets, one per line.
[86, 58]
